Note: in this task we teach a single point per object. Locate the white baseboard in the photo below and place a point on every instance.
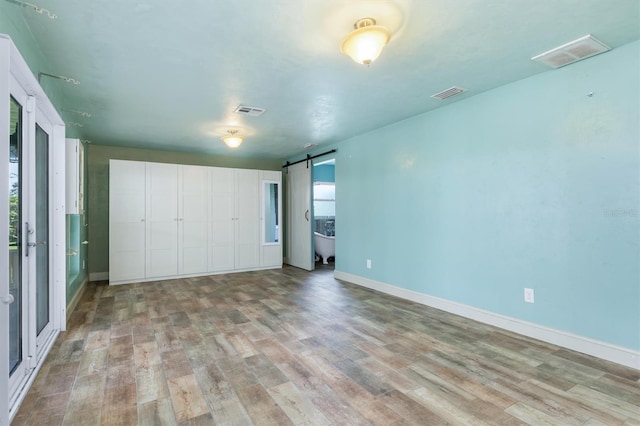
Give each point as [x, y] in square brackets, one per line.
[74, 302]
[98, 276]
[199, 274]
[618, 354]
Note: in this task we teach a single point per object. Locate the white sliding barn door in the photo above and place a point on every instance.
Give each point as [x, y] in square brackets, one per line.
[299, 230]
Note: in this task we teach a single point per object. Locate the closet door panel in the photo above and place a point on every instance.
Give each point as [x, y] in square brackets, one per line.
[192, 222]
[127, 220]
[127, 258]
[162, 220]
[221, 220]
[248, 219]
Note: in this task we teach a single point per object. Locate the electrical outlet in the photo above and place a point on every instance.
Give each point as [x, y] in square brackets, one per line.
[529, 295]
[368, 263]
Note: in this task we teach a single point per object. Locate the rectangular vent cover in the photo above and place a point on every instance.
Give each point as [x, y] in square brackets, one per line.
[247, 110]
[452, 91]
[574, 51]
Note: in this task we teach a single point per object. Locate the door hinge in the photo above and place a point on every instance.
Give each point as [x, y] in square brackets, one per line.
[31, 103]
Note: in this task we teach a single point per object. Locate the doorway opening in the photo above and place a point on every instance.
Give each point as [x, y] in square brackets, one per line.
[324, 213]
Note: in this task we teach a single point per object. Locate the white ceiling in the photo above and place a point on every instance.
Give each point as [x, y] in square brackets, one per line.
[168, 74]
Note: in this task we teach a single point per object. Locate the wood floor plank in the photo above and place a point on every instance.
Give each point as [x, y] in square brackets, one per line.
[151, 384]
[229, 412]
[296, 406]
[607, 402]
[531, 416]
[570, 404]
[156, 413]
[444, 407]
[186, 398]
[261, 407]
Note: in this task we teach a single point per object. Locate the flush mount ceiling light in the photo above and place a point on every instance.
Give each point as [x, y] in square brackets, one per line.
[365, 43]
[232, 139]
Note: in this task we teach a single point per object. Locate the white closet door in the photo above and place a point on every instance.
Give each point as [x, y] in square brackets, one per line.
[248, 219]
[126, 220]
[162, 220]
[192, 219]
[221, 219]
[299, 231]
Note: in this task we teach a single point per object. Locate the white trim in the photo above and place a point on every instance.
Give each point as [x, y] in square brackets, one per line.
[74, 302]
[200, 274]
[59, 248]
[21, 395]
[98, 276]
[618, 354]
[5, 75]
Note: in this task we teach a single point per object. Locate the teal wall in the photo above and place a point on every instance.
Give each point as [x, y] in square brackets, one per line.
[534, 184]
[324, 173]
[12, 23]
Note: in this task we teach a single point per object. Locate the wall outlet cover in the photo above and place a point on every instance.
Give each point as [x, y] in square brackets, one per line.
[529, 295]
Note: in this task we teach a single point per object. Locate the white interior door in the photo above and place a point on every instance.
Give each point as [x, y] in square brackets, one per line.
[299, 229]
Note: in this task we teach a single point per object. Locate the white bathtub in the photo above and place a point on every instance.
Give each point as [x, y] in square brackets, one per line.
[325, 246]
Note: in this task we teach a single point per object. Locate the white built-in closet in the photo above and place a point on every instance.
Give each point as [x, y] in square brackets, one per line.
[170, 220]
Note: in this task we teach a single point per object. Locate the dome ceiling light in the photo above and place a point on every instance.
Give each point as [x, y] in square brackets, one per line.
[232, 139]
[365, 43]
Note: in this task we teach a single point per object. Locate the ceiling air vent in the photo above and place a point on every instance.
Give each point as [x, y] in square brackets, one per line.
[452, 91]
[247, 110]
[574, 51]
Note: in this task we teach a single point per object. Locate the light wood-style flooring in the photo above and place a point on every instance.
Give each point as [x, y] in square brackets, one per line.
[291, 347]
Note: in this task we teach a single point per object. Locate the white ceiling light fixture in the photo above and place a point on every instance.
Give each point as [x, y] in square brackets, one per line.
[365, 43]
[232, 139]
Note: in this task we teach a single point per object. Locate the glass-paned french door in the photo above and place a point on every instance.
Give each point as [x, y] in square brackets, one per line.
[32, 226]
[29, 235]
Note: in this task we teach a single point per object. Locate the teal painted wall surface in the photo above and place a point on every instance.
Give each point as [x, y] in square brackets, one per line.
[534, 184]
[12, 23]
[324, 173]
